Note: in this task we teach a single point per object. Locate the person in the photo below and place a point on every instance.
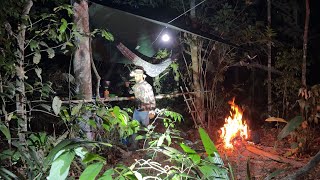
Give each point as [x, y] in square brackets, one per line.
[145, 101]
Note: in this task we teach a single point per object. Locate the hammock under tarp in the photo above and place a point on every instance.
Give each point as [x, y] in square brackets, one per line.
[152, 70]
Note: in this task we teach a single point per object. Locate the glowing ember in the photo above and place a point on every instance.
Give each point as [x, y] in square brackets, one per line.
[234, 126]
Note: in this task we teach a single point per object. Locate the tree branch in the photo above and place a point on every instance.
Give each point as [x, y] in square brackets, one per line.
[94, 69]
[256, 65]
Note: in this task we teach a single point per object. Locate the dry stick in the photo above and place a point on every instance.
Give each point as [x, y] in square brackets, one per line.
[273, 156]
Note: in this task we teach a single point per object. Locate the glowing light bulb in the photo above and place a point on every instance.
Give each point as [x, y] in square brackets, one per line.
[165, 38]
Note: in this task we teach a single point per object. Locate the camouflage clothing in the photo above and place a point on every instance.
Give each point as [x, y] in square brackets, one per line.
[144, 95]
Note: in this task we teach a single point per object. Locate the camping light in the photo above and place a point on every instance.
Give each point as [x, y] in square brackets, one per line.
[165, 37]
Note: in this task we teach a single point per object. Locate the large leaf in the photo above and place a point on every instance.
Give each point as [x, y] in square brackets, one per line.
[61, 165]
[207, 171]
[68, 144]
[89, 157]
[161, 139]
[207, 142]
[56, 105]
[107, 175]
[191, 153]
[91, 171]
[55, 150]
[291, 126]
[213, 172]
[6, 174]
[5, 131]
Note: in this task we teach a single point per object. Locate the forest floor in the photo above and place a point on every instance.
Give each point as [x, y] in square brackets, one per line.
[241, 158]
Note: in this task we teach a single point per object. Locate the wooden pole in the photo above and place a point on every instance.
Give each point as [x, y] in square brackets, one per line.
[110, 99]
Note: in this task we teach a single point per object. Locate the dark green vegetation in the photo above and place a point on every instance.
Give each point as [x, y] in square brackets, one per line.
[43, 112]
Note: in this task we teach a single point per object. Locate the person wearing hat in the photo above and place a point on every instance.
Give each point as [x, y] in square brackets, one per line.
[145, 101]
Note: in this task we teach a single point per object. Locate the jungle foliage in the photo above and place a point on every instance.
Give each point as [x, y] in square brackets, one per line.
[64, 151]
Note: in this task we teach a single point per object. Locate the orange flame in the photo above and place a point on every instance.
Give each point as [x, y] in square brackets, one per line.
[234, 126]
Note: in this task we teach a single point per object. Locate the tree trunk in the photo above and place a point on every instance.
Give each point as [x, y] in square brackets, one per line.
[269, 61]
[305, 43]
[20, 72]
[81, 61]
[196, 71]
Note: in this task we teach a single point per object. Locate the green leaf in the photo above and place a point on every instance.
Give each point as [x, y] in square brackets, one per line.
[69, 44]
[207, 171]
[161, 139]
[207, 142]
[34, 45]
[56, 105]
[137, 175]
[291, 126]
[63, 26]
[43, 44]
[51, 53]
[81, 152]
[61, 165]
[76, 109]
[14, 155]
[46, 107]
[116, 111]
[91, 171]
[107, 175]
[89, 157]
[36, 58]
[5, 131]
[168, 138]
[65, 115]
[213, 172]
[55, 151]
[101, 111]
[6, 174]
[191, 153]
[106, 127]
[107, 35]
[38, 72]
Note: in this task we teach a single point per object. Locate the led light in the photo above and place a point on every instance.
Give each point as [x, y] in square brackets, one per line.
[165, 37]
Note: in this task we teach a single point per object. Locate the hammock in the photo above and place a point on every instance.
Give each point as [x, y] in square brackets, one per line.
[152, 70]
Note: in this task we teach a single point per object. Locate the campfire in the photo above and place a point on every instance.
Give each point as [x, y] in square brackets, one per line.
[234, 128]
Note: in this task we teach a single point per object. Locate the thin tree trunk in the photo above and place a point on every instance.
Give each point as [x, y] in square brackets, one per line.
[305, 43]
[81, 62]
[95, 71]
[196, 70]
[269, 61]
[20, 72]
